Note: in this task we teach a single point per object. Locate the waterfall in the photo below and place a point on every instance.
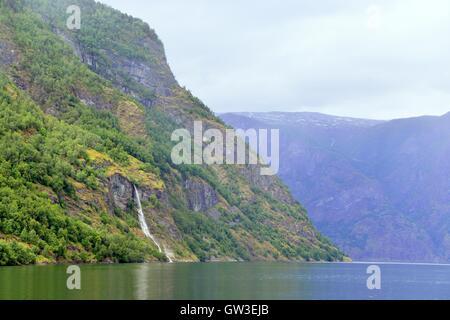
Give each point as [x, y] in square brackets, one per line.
[143, 223]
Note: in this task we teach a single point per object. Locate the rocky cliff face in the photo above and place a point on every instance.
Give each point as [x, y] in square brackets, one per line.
[7, 54]
[145, 77]
[121, 191]
[201, 196]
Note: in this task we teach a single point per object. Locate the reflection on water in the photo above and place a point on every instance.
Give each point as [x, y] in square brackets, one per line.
[226, 281]
[142, 282]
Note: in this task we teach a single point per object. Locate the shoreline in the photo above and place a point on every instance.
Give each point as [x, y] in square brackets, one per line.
[240, 262]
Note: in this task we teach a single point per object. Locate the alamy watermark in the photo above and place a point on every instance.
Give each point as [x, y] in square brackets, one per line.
[211, 147]
[74, 280]
[73, 22]
[374, 280]
[374, 19]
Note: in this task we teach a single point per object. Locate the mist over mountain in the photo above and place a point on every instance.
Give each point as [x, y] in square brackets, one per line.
[379, 189]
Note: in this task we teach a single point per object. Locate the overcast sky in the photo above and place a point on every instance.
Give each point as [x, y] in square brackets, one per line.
[376, 59]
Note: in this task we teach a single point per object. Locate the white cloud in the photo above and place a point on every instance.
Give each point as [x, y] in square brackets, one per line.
[380, 59]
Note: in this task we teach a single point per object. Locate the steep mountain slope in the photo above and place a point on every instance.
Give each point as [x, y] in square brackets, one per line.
[380, 190]
[86, 116]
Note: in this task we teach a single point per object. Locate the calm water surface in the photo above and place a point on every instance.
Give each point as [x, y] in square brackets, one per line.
[227, 281]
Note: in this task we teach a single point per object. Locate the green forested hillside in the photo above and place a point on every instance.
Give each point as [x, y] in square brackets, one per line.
[85, 115]
[40, 158]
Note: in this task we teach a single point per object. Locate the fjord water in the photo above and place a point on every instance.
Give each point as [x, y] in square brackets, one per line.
[226, 281]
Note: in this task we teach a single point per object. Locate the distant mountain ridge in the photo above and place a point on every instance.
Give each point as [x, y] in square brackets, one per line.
[379, 189]
[307, 118]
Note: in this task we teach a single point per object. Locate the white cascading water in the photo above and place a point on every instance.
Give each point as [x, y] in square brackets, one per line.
[144, 225]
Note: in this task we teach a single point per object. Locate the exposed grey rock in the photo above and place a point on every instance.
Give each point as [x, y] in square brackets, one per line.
[121, 192]
[154, 74]
[201, 196]
[214, 213]
[8, 55]
[269, 184]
